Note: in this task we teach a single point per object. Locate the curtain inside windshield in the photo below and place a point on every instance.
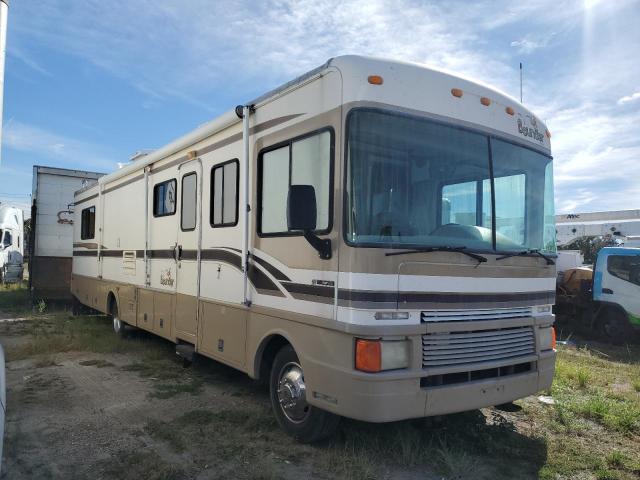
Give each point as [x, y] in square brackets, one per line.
[413, 182]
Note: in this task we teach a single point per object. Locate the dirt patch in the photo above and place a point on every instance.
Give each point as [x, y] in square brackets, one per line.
[84, 404]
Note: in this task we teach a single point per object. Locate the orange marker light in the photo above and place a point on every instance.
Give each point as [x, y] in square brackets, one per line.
[548, 134]
[456, 92]
[375, 80]
[510, 110]
[368, 355]
[553, 338]
[485, 101]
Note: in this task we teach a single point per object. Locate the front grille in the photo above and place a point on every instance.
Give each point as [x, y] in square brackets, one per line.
[461, 348]
[477, 314]
[483, 374]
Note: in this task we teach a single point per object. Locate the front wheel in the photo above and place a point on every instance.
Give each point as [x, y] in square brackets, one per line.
[302, 421]
[615, 326]
[119, 327]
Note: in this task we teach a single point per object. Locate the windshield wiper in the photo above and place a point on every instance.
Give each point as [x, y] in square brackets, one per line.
[531, 251]
[443, 248]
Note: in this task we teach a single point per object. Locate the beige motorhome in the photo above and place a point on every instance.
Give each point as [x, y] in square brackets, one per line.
[374, 239]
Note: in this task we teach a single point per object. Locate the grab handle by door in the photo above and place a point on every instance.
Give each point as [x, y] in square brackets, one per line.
[177, 252]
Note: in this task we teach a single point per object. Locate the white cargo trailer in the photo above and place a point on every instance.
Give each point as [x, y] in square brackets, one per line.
[51, 240]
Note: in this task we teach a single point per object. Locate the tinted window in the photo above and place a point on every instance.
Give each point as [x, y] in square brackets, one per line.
[625, 267]
[306, 161]
[189, 202]
[88, 223]
[411, 181]
[224, 194]
[164, 198]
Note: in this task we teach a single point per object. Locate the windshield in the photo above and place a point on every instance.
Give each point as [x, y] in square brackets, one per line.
[412, 182]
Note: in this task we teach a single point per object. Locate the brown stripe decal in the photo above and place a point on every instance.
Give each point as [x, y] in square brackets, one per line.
[161, 253]
[256, 276]
[85, 253]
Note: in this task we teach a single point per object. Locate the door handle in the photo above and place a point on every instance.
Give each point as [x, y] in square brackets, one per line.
[179, 252]
[607, 290]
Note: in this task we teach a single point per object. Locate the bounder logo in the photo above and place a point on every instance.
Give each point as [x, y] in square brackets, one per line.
[165, 278]
[531, 131]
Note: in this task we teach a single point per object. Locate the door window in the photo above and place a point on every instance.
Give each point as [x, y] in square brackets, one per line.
[189, 202]
[625, 267]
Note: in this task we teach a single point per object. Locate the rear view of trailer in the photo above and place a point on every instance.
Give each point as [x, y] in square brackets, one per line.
[51, 240]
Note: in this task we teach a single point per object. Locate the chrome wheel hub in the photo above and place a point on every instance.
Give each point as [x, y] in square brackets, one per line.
[292, 393]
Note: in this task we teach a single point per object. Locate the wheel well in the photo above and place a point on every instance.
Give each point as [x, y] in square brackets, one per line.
[112, 304]
[270, 347]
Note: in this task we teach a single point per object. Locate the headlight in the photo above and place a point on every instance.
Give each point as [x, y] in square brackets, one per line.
[547, 338]
[378, 355]
[542, 310]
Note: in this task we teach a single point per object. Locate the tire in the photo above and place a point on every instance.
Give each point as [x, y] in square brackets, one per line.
[615, 326]
[304, 422]
[119, 327]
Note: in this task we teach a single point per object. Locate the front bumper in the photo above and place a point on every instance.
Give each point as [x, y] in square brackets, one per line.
[402, 394]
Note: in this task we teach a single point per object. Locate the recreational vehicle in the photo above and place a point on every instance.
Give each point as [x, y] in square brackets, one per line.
[51, 236]
[375, 239]
[11, 244]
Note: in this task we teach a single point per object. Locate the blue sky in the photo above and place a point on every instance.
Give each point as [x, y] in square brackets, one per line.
[90, 82]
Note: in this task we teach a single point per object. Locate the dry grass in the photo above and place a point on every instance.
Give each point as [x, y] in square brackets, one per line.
[592, 431]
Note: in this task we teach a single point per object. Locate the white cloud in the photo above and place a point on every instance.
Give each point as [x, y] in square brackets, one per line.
[50, 147]
[199, 50]
[629, 98]
[528, 44]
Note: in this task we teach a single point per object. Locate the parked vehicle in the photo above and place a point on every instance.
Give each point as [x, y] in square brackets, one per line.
[3, 401]
[607, 297]
[51, 242]
[374, 239]
[11, 244]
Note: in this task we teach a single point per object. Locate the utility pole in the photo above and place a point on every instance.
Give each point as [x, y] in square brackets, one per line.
[4, 13]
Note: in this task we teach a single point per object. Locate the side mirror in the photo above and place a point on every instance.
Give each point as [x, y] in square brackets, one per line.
[301, 216]
[301, 208]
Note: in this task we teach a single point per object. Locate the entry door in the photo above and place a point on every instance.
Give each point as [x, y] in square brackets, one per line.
[187, 252]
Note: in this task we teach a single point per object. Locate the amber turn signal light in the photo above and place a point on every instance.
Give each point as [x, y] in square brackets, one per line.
[375, 80]
[456, 92]
[368, 355]
[553, 338]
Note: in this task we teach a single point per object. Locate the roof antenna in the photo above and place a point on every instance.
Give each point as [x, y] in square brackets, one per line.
[520, 82]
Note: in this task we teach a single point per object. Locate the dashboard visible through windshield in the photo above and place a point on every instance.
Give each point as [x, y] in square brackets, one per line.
[412, 182]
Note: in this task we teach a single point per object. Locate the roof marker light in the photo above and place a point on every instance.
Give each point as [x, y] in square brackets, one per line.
[375, 79]
[456, 92]
[548, 134]
[510, 110]
[485, 101]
